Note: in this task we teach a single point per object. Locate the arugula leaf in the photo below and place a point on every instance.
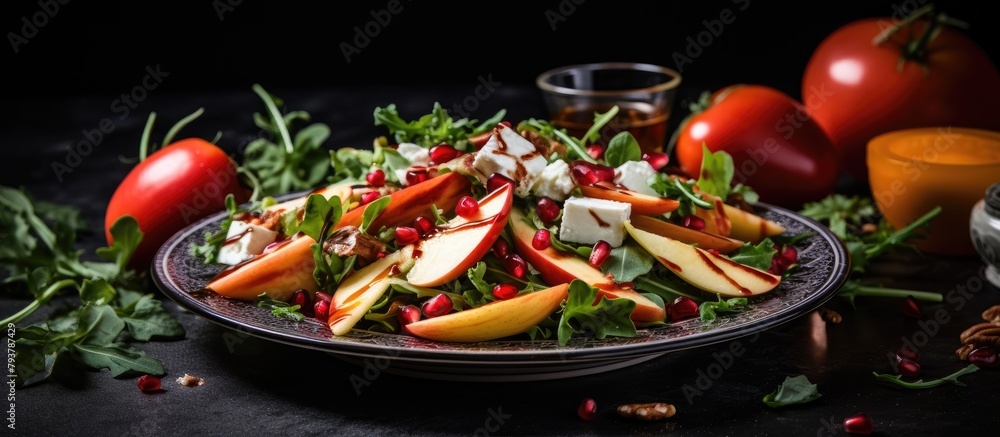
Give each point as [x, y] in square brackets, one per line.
[757, 256]
[280, 309]
[627, 262]
[119, 358]
[794, 390]
[434, 128]
[288, 165]
[372, 211]
[606, 317]
[921, 384]
[622, 148]
[320, 214]
[209, 250]
[350, 164]
[717, 172]
[709, 310]
[97, 291]
[390, 161]
[673, 188]
[146, 319]
[127, 236]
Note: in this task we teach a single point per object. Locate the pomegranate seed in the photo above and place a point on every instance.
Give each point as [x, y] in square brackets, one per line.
[424, 226]
[501, 248]
[693, 222]
[587, 409]
[682, 308]
[911, 308]
[588, 174]
[370, 197]
[541, 240]
[504, 291]
[497, 180]
[148, 383]
[714, 252]
[516, 266]
[908, 368]
[302, 298]
[416, 176]
[860, 423]
[437, 306]
[656, 159]
[595, 151]
[376, 178]
[406, 235]
[547, 210]
[322, 296]
[467, 207]
[984, 356]
[506, 123]
[789, 255]
[408, 314]
[599, 254]
[321, 310]
[908, 354]
[443, 153]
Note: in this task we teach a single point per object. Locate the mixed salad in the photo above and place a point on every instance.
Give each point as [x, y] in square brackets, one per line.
[461, 231]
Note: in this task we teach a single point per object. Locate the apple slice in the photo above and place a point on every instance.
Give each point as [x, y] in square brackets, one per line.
[641, 203]
[732, 222]
[703, 269]
[358, 292]
[702, 239]
[290, 266]
[497, 319]
[562, 268]
[464, 241]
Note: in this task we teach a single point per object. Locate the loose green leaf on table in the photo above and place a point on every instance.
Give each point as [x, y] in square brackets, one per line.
[921, 384]
[794, 390]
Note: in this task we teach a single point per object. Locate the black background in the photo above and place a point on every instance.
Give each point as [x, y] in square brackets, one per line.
[102, 49]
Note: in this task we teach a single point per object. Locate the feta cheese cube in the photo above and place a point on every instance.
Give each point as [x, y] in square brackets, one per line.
[635, 175]
[508, 153]
[243, 241]
[555, 182]
[587, 220]
[418, 156]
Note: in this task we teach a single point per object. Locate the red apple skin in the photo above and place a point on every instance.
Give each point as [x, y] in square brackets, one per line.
[641, 203]
[458, 260]
[562, 268]
[290, 267]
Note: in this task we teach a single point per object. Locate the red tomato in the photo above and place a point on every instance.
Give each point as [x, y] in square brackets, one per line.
[856, 89]
[777, 149]
[172, 188]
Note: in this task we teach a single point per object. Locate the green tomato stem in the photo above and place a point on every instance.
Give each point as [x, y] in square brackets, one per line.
[276, 116]
[144, 140]
[180, 125]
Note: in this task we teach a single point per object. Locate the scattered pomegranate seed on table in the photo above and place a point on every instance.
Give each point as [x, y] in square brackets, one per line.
[984, 356]
[908, 368]
[587, 409]
[148, 383]
[911, 308]
[907, 353]
[860, 423]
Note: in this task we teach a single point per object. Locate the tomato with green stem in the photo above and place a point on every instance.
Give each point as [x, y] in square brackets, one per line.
[875, 75]
[172, 187]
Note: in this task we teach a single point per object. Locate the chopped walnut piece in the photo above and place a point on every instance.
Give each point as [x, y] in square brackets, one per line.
[190, 381]
[649, 411]
[963, 352]
[545, 146]
[349, 240]
[992, 314]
